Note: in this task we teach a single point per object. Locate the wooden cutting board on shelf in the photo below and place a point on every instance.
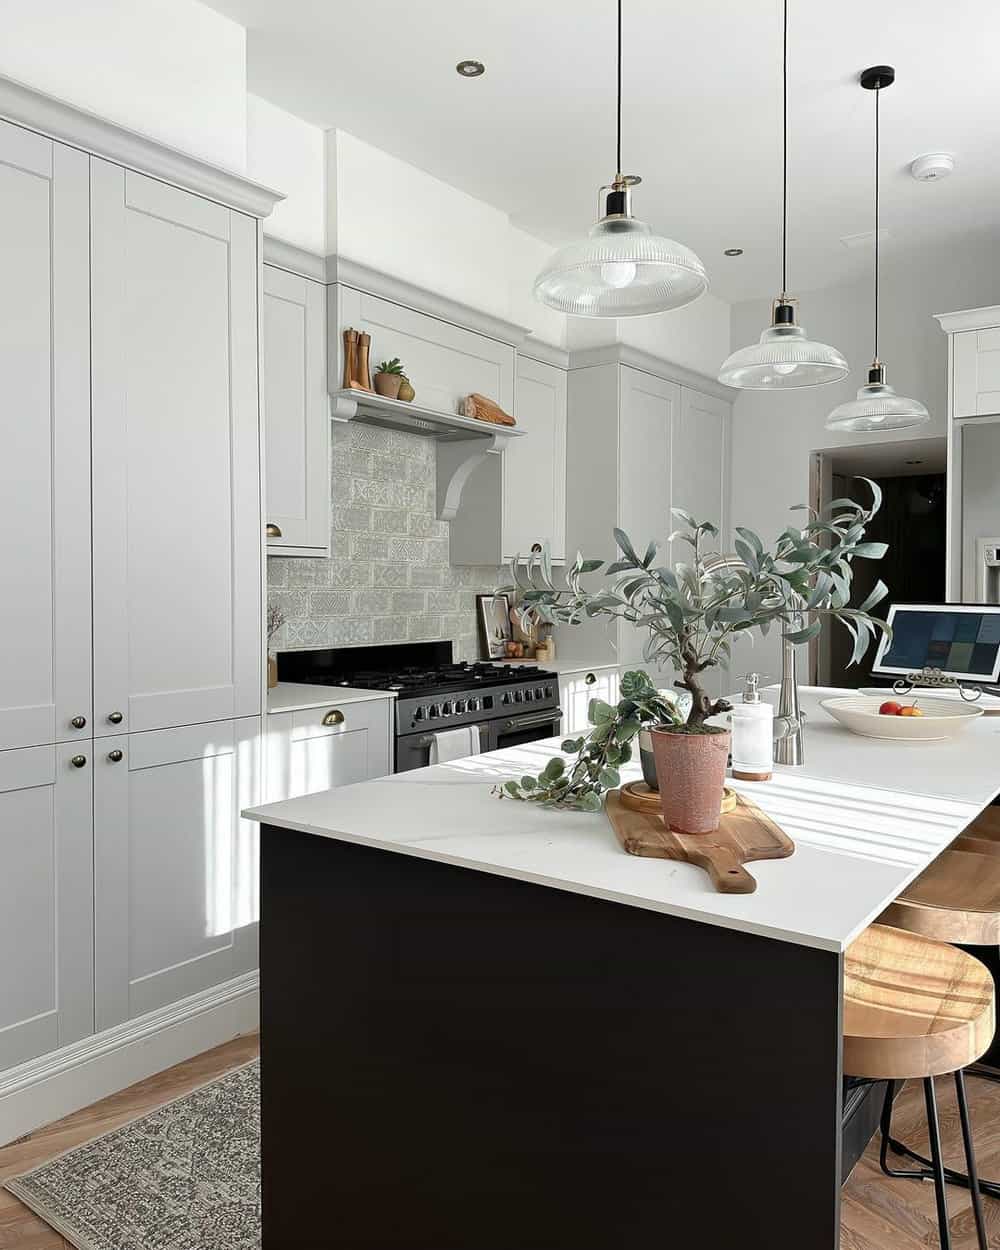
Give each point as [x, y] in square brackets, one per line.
[743, 835]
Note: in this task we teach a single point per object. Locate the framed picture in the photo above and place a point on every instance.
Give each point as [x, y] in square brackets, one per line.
[494, 625]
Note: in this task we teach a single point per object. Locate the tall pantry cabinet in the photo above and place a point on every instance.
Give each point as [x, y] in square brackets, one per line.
[130, 684]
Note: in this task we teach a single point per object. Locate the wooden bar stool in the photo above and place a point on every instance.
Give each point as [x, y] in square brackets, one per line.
[957, 900]
[918, 1008]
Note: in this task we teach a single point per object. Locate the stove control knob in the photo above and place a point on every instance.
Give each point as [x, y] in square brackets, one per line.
[460, 705]
[434, 711]
[446, 708]
[518, 696]
[507, 697]
[419, 714]
[540, 693]
[528, 695]
[473, 705]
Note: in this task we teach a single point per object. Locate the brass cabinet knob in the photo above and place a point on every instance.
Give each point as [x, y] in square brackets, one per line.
[334, 717]
[79, 722]
[536, 548]
[79, 761]
[272, 530]
[115, 718]
[590, 679]
[116, 756]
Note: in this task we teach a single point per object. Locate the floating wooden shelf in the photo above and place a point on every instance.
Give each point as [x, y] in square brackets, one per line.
[455, 468]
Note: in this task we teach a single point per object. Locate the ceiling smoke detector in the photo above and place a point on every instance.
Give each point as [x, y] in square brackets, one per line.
[932, 167]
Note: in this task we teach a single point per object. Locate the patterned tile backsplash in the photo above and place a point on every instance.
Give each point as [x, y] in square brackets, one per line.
[388, 578]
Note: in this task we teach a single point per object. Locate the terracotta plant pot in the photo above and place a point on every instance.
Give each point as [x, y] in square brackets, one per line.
[387, 384]
[696, 766]
[406, 392]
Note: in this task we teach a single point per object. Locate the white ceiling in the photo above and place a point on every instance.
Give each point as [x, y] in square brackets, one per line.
[901, 458]
[535, 135]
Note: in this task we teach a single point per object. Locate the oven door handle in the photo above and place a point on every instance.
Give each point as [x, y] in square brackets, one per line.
[426, 739]
[538, 718]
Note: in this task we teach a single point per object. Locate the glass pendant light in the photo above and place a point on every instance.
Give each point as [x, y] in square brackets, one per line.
[622, 269]
[785, 355]
[877, 406]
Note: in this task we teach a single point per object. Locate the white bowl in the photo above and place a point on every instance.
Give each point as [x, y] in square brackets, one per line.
[861, 715]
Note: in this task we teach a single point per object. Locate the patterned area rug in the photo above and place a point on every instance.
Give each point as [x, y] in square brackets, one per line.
[185, 1177]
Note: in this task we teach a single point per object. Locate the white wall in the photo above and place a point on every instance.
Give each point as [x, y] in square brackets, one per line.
[774, 433]
[172, 69]
[288, 154]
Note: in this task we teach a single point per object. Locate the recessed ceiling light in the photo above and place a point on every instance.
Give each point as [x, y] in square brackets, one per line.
[733, 251]
[471, 69]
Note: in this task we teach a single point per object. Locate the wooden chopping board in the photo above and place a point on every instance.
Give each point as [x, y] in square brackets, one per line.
[743, 835]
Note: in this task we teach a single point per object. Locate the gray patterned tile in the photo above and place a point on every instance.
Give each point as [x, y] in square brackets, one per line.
[409, 601]
[368, 437]
[422, 627]
[277, 571]
[389, 520]
[355, 574]
[424, 578]
[443, 601]
[389, 575]
[308, 571]
[426, 525]
[409, 549]
[374, 602]
[352, 518]
[392, 466]
[330, 603]
[350, 630]
[390, 629]
[437, 551]
[368, 547]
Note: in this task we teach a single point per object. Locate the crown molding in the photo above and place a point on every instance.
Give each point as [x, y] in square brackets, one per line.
[398, 291]
[297, 260]
[535, 349]
[68, 124]
[969, 319]
[635, 358]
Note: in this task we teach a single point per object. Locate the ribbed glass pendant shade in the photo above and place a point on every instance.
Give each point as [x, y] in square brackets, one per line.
[784, 357]
[877, 408]
[621, 269]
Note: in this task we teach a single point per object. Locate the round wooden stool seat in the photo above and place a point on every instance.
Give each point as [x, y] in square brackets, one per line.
[913, 1007]
[957, 899]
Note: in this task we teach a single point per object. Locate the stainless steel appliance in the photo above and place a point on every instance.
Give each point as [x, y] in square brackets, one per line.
[508, 703]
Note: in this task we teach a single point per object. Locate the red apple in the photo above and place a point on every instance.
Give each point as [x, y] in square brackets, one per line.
[890, 708]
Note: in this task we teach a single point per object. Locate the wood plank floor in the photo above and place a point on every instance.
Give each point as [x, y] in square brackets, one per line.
[878, 1213]
[20, 1227]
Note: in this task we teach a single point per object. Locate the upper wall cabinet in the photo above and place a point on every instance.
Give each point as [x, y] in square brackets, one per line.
[176, 480]
[976, 372]
[45, 678]
[700, 460]
[515, 504]
[296, 415]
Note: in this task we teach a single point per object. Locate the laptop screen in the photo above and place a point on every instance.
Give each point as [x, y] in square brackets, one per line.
[961, 640]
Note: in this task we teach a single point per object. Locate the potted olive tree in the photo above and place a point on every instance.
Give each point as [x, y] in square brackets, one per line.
[694, 611]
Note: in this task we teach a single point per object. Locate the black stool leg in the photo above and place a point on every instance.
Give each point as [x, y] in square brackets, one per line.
[886, 1129]
[934, 1133]
[970, 1160]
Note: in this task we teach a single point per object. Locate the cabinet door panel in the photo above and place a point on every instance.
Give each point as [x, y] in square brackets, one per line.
[296, 412]
[576, 691]
[534, 468]
[176, 457]
[304, 756]
[648, 410]
[46, 901]
[976, 367]
[700, 446]
[176, 876]
[45, 434]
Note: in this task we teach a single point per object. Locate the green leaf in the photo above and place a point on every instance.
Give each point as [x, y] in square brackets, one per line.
[599, 712]
[528, 783]
[870, 551]
[876, 596]
[554, 769]
[686, 517]
[803, 635]
[750, 537]
[610, 778]
[511, 787]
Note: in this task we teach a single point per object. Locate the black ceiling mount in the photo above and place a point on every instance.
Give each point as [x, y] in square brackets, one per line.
[878, 77]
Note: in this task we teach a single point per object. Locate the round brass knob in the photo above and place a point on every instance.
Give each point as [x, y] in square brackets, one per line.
[116, 756]
[79, 722]
[115, 718]
[79, 761]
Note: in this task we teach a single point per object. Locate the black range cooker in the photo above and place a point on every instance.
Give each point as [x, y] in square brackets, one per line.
[509, 703]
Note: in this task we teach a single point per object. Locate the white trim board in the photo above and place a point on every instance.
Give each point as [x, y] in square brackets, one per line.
[45, 1089]
[969, 319]
[282, 255]
[646, 362]
[46, 115]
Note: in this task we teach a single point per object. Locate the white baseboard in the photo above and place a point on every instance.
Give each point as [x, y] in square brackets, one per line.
[54, 1085]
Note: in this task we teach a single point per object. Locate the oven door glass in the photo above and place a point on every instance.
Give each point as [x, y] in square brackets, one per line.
[532, 727]
[414, 750]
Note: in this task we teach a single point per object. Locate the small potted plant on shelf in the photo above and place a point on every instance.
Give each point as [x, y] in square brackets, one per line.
[693, 612]
[389, 378]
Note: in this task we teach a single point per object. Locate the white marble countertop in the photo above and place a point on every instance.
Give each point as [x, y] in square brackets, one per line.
[866, 815]
[292, 696]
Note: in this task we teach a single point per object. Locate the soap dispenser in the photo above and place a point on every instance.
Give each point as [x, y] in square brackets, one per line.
[753, 734]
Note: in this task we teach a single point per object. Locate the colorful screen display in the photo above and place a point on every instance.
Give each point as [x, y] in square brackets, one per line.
[963, 642]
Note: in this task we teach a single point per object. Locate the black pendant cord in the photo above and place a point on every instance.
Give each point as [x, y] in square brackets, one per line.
[618, 148]
[784, 151]
[878, 92]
